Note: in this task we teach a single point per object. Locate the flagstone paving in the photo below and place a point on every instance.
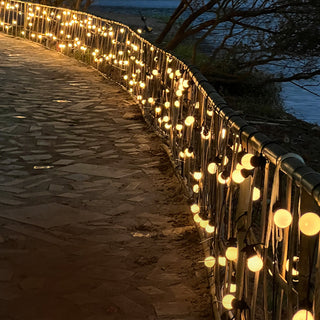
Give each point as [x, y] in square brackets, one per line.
[93, 223]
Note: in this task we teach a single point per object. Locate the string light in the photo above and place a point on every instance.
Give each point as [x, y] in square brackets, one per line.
[210, 261]
[255, 263]
[282, 218]
[309, 224]
[195, 208]
[210, 228]
[197, 175]
[128, 57]
[227, 301]
[212, 168]
[303, 315]
[196, 188]
[245, 161]
[189, 121]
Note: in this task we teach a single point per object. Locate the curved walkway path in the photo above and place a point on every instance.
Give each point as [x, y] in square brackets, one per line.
[93, 224]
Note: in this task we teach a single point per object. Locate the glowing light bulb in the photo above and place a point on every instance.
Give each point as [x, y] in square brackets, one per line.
[222, 261]
[233, 287]
[210, 261]
[227, 301]
[155, 72]
[210, 228]
[179, 127]
[282, 218]
[237, 176]
[255, 263]
[197, 175]
[223, 133]
[179, 93]
[185, 83]
[158, 110]
[309, 224]
[204, 223]
[177, 104]
[222, 179]
[188, 153]
[212, 168]
[189, 121]
[195, 208]
[303, 315]
[197, 218]
[167, 104]
[256, 194]
[205, 134]
[181, 154]
[166, 119]
[232, 253]
[196, 188]
[245, 161]
[178, 73]
[150, 100]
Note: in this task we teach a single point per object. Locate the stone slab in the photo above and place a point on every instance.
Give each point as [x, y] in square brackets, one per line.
[98, 170]
[49, 215]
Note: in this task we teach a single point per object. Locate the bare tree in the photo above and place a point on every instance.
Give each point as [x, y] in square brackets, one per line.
[249, 34]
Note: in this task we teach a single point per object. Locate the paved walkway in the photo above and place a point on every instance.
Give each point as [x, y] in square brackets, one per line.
[92, 221]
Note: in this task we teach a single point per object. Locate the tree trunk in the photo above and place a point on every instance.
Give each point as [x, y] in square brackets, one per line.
[177, 13]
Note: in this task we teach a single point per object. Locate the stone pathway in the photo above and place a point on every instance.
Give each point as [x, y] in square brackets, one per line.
[93, 224]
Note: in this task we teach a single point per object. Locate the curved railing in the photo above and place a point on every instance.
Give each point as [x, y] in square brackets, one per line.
[263, 263]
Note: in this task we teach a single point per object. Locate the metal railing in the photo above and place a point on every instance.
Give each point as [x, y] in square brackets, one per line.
[263, 263]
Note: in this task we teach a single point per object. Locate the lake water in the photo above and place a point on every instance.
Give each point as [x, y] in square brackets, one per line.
[302, 104]
[154, 4]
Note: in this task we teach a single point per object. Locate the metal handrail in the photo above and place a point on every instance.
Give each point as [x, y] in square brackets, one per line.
[206, 138]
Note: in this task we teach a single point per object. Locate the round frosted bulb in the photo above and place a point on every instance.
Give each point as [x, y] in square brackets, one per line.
[195, 208]
[282, 218]
[222, 180]
[233, 287]
[256, 194]
[189, 121]
[255, 263]
[212, 168]
[232, 253]
[196, 188]
[237, 176]
[245, 161]
[209, 261]
[309, 224]
[204, 223]
[197, 218]
[210, 229]
[222, 261]
[303, 315]
[197, 175]
[227, 301]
